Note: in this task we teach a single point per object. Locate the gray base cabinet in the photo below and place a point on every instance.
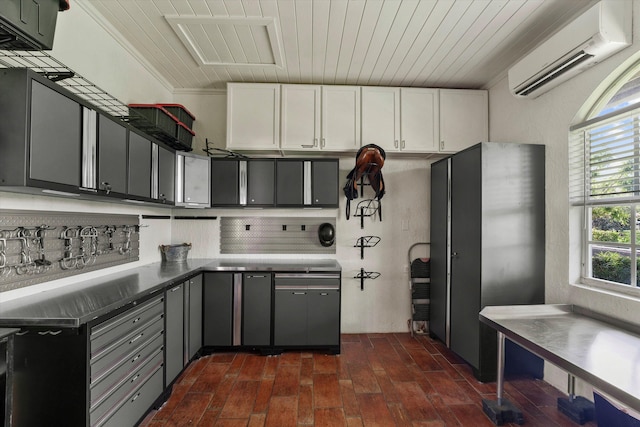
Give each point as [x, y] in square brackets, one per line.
[256, 309]
[306, 310]
[218, 309]
[107, 373]
[193, 329]
[174, 332]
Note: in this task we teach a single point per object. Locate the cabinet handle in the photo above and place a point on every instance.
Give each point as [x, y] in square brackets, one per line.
[298, 293]
[134, 379]
[402, 146]
[175, 289]
[106, 186]
[136, 358]
[135, 397]
[323, 143]
[309, 145]
[136, 320]
[442, 145]
[257, 277]
[50, 332]
[324, 294]
[395, 143]
[136, 338]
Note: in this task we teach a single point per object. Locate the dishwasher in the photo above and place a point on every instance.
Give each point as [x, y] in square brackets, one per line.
[307, 310]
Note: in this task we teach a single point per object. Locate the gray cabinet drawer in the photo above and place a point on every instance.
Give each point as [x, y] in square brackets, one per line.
[104, 384]
[104, 334]
[132, 396]
[111, 356]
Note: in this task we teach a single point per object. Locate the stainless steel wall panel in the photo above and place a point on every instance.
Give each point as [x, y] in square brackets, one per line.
[272, 235]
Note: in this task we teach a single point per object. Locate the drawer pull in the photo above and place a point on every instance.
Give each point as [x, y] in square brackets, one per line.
[135, 397]
[299, 293]
[324, 294]
[50, 332]
[134, 379]
[136, 338]
[136, 358]
[175, 289]
[136, 320]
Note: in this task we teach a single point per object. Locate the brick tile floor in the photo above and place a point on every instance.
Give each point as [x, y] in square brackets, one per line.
[377, 380]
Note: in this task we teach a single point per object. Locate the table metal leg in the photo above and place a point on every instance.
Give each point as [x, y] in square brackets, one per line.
[579, 409]
[501, 411]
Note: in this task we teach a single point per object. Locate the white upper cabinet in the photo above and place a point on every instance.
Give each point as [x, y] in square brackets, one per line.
[320, 118]
[381, 117]
[419, 127]
[400, 119]
[464, 118]
[253, 116]
[334, 118]
[300, 117]
[340, 118]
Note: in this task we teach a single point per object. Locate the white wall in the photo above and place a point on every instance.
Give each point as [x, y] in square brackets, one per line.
[546, 120]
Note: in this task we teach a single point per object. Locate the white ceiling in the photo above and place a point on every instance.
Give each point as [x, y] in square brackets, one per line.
[202, 44]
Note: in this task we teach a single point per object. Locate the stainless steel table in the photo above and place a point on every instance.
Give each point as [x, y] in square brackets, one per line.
[603, 351]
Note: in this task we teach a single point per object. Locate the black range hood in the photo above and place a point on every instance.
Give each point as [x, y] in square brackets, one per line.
[29, 24]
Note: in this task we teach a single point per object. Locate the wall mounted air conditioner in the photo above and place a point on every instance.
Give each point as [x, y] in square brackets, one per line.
[598, 33]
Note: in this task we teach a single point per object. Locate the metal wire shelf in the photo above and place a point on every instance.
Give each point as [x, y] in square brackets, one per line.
[43, 63]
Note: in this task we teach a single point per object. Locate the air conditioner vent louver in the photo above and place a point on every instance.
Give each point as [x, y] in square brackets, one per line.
[598, 33]
[555, 72]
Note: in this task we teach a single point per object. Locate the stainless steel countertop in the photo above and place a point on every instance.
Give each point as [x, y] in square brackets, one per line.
[74, 305]
[600, 350]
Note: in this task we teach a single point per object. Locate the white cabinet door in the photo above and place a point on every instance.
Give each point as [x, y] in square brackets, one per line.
[340, 118]
[381, 117]
[419, 126]
[300, 117]
[464, 118]
[253, 116]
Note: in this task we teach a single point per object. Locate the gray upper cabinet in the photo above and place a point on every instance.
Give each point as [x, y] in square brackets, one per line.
[56, 137]
[166, 175]
[243, 182]
[310, 183]
[260, 182]
[139, 165]
[225, 182]
[54, 142]
[112, 155]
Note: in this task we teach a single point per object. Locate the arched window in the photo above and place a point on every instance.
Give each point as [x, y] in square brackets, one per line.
[605, 183]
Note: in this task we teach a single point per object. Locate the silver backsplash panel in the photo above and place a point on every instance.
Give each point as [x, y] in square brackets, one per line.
[39, 246]
[273, 235]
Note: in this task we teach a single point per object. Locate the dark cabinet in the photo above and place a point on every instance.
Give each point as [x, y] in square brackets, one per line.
[55, 137]
[256, 309]
[324, 183]
[260, 182]
[112, 155]
[52, 141]
[139, 167]
[218, 309]
[225, 182]
[491, 198]
[174, 332]
[311, 183]
[194, 325]
[307, 310]
[290, 182]
[243, 182]
[165, 175]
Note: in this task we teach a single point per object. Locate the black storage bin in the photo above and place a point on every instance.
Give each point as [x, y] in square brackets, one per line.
[184, 135]
[155, 115]
[182, 114]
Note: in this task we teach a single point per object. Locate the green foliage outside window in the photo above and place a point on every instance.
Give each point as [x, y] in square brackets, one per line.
[613, 267]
